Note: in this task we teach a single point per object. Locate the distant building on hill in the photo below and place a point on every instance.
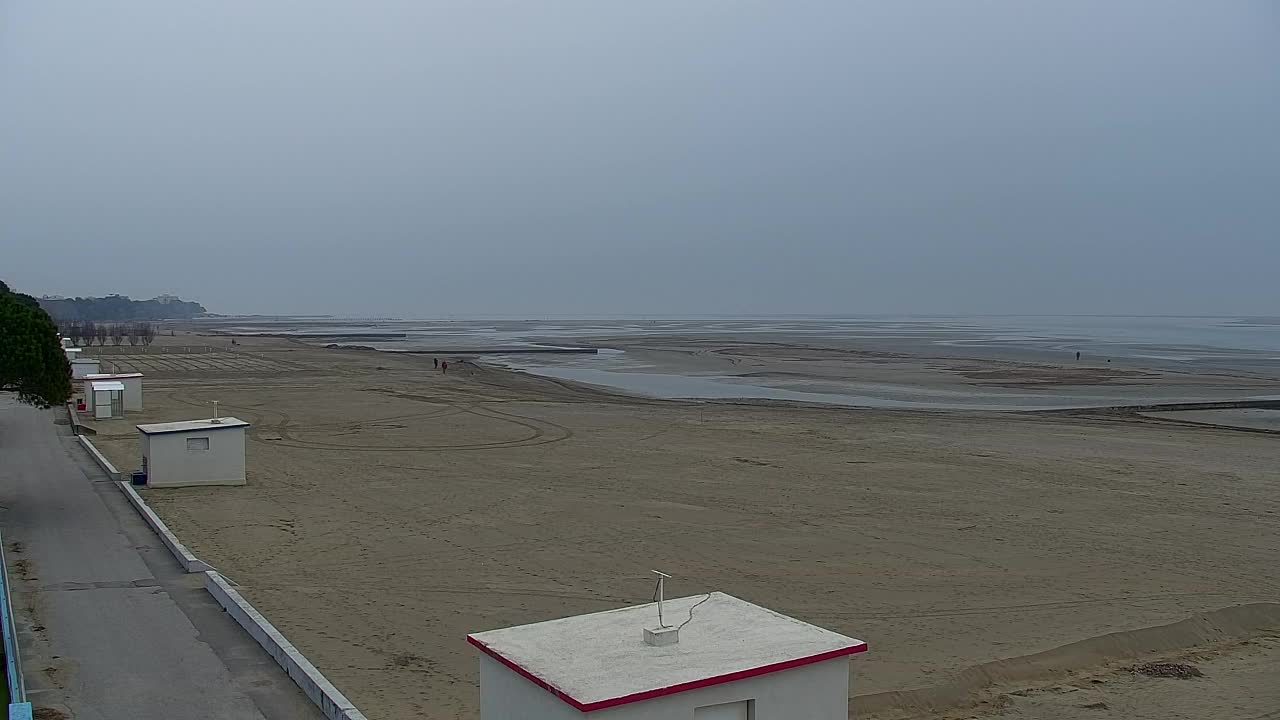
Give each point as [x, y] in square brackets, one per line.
[119, 308]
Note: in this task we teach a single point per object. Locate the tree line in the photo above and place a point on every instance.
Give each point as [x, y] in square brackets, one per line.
[31, 358]
[86, 332]
[120, 308]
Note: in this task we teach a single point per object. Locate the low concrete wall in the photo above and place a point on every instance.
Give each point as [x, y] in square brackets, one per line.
[332, 703]
[188, 561]
[99, 458]
[77, 427]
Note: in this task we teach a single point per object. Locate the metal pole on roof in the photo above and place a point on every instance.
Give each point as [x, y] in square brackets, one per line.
[661, 587]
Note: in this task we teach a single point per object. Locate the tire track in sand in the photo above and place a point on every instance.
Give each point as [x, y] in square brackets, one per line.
[540, 432]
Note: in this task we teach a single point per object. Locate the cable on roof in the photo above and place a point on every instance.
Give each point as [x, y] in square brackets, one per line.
[691, 609]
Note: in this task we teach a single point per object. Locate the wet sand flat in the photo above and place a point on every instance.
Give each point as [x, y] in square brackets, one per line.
[392, 509]
[825, 371]
[1255, 418]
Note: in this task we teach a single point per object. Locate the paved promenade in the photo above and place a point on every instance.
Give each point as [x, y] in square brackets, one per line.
[110, 627]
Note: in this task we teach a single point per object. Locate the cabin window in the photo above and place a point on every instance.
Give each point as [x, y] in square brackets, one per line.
[197, 444]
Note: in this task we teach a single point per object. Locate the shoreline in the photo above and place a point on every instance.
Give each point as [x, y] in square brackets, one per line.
[1159, 412]
[1176, 343]
[952, 364]
[705, 370]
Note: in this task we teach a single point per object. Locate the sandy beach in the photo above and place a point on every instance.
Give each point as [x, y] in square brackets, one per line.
[391, 509]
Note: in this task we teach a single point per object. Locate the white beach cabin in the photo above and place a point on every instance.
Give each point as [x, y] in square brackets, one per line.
[107, 398]
[732, 661]
[132, 389]
[193, 452]
[83, 367]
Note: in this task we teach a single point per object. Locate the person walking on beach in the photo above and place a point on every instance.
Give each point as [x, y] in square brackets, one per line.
[437, 361]
[1077, 356]
[444, 367]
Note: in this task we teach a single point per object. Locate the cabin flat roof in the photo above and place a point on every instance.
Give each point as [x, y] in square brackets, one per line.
[192, 425]
[600, 660]
[111, 376]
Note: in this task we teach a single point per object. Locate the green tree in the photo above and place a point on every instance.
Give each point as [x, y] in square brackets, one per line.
[31, 358]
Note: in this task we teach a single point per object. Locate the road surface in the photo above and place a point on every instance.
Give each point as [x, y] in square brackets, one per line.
[109, 625]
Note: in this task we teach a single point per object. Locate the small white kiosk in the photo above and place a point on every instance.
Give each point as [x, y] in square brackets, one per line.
[714, 658]
[193, 452]
[132, 389]
[105, 398]
[83, 367]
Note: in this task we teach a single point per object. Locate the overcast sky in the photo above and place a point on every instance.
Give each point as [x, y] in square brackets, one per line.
[418, 158]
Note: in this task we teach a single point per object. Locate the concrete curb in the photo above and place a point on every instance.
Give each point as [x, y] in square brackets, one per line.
[99, 458]
[332, 703]
[189, 562]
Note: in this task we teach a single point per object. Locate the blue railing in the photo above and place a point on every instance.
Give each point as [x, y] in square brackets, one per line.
[19, 708]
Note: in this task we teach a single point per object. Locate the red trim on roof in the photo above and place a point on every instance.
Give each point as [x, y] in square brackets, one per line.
[670, 690]
[527, 675]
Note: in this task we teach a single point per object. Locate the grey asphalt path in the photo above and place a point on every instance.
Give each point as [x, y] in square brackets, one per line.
[109, 625]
